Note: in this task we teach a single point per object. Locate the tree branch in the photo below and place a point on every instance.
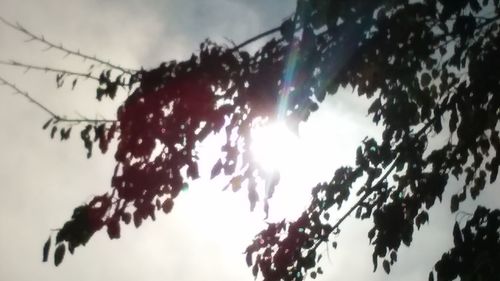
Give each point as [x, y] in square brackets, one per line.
[48, 69]
[358, 203]
[255, 38]
[50, 45]
[57, 117]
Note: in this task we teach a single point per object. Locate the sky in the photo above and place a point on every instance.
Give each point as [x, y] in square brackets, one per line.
[42, 180]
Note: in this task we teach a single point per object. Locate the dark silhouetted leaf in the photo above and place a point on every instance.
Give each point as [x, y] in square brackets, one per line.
[457, 235]
[387, 266]
[53, 132]
[46, 249]
[59, 254]
[167, 205]
[287, 29]
[216, 169]
[73, 84]
[46, 125]
[454, 203]
[425, 80]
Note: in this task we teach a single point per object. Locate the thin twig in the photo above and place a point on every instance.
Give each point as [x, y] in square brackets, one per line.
[57, 117]
[358, 203]
[255, 38]
[48, 69]
[50, 45]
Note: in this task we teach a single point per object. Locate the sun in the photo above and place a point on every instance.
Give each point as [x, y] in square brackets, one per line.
[274, 146]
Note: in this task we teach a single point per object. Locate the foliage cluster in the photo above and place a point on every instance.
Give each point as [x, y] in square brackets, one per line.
[431, 70]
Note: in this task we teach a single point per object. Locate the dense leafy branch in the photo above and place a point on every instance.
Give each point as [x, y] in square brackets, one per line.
[420, 63]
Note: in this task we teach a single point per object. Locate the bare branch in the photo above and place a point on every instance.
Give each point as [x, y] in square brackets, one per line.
[57, 117]
[60, 47]
[49, 69]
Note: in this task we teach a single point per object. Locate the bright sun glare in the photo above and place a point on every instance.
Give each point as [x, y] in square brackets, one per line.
[273, 145]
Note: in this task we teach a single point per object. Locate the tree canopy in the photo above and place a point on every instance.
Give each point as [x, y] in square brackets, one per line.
[430, 69]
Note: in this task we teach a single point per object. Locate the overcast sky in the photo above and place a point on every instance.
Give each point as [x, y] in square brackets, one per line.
[42, 180]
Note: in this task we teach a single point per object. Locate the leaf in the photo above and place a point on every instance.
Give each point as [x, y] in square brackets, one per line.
[60, 80]
[216, 169]
[113, 228]
[457, 235]
[137, 219]
[386, 266]
[371, 234]
[454, 203]
[99, 93]
[46, 125]
[236, 183]
[494, 169]
[394, 256]
[46, 248]
[425, 79]
[167, 205]
[59, 254]
[53, 132]
[192, 171]
[126, 217]
[255, 270]
[453, 120]
[248, 259]
[74, 83]
[287, 29]
[437, 124]
[431, 276]
[474, 5]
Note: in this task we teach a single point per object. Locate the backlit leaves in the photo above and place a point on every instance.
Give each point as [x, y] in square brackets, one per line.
[424, 66]
[475, 251]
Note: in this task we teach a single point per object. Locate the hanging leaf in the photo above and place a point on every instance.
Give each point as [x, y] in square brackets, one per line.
[74, 83]
[126, 217]
[454, 203]
[248, 259]
[46, 248]
[216, 169]
[53, 132]
[113, 228]
[386, 266]
[457, 235]
[167, 205]
[46, 125]
[59, 254]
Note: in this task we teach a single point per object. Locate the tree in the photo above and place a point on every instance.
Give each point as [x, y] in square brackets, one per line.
[421, 63]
